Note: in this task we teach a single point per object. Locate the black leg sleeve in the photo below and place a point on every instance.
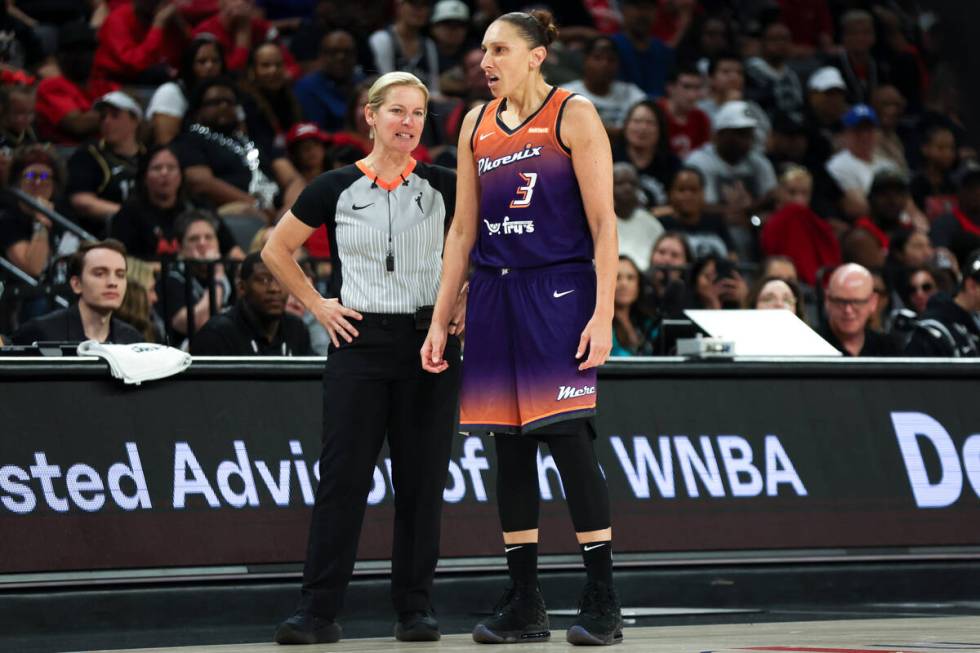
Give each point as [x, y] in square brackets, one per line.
[585, 488]
[517, 482]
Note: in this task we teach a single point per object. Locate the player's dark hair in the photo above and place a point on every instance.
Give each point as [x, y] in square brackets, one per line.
[537, 27]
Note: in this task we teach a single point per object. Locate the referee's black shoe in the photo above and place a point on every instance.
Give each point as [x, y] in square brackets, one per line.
[305, 628]
[518, 617]
[600, 620]
[417, 626]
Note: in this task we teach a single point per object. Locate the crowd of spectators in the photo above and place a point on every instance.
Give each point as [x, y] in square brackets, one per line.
[802, 155]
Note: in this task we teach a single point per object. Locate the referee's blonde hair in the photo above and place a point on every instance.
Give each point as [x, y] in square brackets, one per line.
[379, 89]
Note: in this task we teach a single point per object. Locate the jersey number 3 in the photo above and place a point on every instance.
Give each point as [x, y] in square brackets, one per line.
[525, 192]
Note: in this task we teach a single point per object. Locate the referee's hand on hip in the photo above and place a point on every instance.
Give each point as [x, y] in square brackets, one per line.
[334, 318]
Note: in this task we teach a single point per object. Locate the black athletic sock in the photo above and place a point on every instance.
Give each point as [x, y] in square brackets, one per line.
[522, 562]
[598, 561]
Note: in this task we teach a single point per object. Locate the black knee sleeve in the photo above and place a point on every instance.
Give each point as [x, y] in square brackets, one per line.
[517, 482]
[585, 487]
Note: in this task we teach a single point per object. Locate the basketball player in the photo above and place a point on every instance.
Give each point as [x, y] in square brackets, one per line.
[534, 204]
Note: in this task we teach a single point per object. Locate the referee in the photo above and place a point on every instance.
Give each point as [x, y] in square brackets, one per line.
[386, 218]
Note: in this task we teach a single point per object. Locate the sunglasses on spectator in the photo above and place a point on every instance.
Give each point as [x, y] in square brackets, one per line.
[37, 177]
[926, 287]
[841, 302]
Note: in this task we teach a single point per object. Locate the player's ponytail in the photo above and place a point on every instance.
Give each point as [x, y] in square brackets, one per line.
[536, 27]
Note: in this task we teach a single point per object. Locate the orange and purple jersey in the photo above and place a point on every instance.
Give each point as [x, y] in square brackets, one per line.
[531, 213]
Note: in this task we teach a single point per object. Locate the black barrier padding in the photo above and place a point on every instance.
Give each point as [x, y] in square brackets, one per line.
[826, 466]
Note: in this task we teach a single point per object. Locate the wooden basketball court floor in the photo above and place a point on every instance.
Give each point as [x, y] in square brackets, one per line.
[898, 635]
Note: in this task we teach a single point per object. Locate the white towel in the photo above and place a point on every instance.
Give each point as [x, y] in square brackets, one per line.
[142, 361]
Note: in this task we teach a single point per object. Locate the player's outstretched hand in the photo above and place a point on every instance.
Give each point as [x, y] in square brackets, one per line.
[433, 348]
[597, 340]
[333, 316]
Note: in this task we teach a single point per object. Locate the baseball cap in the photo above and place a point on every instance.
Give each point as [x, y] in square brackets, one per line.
[734, 115]
[121, 101]
[825, 79]
[446, 10]
[888, 178]
[860, 114]
[304, 131]
[969, 170]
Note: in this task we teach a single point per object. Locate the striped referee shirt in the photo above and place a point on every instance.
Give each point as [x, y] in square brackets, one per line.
[368, 218]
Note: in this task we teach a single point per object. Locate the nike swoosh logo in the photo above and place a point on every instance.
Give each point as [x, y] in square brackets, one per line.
[594, 546]
[358, 208]
[562, 294]
[482, 136]
[508, 549]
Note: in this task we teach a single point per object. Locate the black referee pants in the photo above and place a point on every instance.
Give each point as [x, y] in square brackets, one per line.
[375, 387]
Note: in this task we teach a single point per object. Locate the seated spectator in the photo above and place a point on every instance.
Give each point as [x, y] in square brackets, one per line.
[271, 107]
[771, 82]
[102, 173]
[932, 186]
[855, 61]
[222, 165]
[778, 266]
[957, 316]
[637, 228]
[676, 19]
[643, 59]
[238, 27]
[198, 234]
[706, 233]
[17, 115]
[794, 230]
[776, 293]
[849, 302]
[611, 97]
[324, 93]
[358, 19]
[889, 106]
[789, 147]
[922, 284]
[643, 144]
[26, 236]
[726, 83]
[65, 104]
[141, 41]
[146, 223]
[739, 180]
[714, 283]
[258, 324]
[97, 274]
[713, 35]
[826, 104]
[634, 322]
[868, 240]
[687, 126]
[137, 309]
[854, 167]
[203, 59]
[403, 45]
[907, 250]
[959, 230]
[306, 145]
[669, 259]
[449, 28]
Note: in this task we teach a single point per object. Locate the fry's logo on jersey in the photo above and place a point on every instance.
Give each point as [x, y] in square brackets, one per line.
[571, 392]
[509, 226]
[486, 165]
